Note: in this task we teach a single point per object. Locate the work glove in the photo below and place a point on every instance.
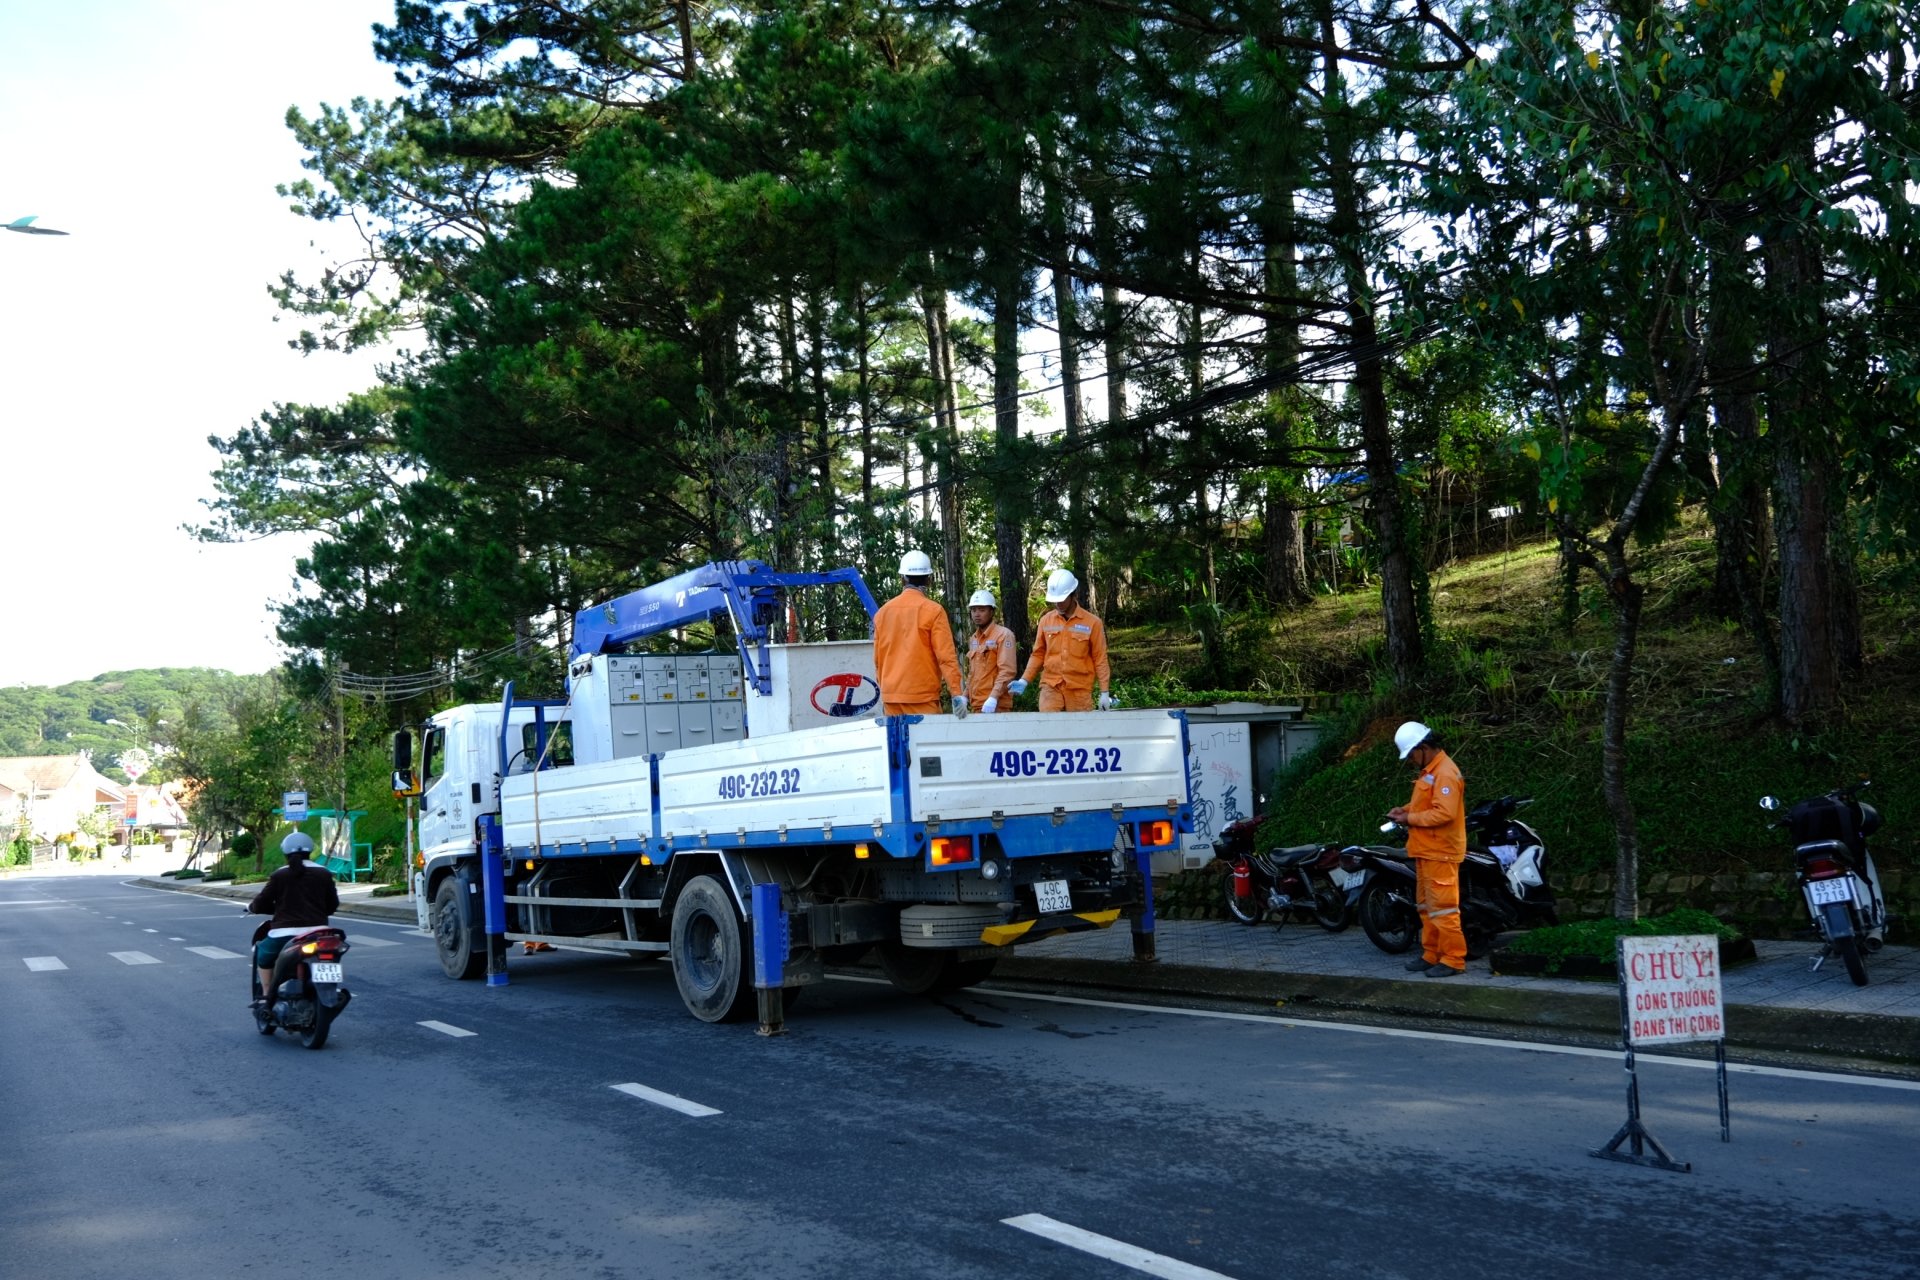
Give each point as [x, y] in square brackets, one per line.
[959, 708]
[1107, 702]
[990, 706]
[1017, 687]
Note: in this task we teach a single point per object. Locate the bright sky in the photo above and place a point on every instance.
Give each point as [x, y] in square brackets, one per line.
[152, 131]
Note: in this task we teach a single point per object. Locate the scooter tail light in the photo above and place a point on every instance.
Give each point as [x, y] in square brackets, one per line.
[1824, 869]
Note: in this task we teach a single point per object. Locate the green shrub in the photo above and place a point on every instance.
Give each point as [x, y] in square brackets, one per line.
[189, 873]
[388, 890]
[1594, 939]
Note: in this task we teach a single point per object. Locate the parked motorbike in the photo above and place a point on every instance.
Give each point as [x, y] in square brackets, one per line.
[309, 984]
[1279, 882]
[1835, 873]
[1503, 882]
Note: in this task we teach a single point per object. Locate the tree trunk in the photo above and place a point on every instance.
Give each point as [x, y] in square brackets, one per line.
[1066, 311]
[823, 450]
[1625, 596]
[1009, 504]
[1284, 559]
[933, 303]
[1807, 497]
[1399, 603]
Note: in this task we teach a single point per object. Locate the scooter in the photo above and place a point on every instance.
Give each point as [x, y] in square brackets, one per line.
[1280, 881]
[309, 984]
[1835, 873]
[1503, 882]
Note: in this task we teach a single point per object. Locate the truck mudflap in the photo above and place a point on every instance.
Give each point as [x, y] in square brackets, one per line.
[1047, 926]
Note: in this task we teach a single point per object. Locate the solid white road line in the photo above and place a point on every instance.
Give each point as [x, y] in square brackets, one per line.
[1444, 1037]
[1153, 1264]
[133, 957]
[43, 964]
[216, 953]
[446, 1029]
[667, 1100]
[362, 941]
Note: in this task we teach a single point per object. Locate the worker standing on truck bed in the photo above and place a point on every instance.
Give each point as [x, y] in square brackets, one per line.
[913, 647]
[991, 661]
[1069, 651]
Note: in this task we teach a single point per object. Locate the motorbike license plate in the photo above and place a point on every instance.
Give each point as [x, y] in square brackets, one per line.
[1836, 890]
[324, 972]
[1053, 895]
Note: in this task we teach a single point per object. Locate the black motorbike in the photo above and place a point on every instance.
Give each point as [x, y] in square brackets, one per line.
[309, 985]
[1503, 882]
[1275, 884]
[1835, 873]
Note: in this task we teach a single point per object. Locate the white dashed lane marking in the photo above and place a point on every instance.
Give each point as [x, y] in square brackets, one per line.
[1127, 1255]
[667, 1100]
[43, 964]
[216, 953]
[447, 1030]
[133, 957]
[361, 940]
[149, 931]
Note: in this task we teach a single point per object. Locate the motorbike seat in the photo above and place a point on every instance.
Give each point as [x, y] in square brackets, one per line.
[1296, 853]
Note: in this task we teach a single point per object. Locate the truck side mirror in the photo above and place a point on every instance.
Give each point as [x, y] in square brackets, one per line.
[405, 781]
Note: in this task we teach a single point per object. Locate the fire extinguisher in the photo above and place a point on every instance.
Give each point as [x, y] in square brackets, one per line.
[1242, 879]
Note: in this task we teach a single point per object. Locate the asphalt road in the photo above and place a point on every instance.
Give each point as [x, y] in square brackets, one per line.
[149, 1131]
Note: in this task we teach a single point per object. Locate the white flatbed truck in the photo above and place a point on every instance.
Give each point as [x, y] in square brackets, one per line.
[813, 830]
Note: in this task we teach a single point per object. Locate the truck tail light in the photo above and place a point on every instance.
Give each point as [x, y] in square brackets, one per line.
[1155, 834]
[952, 851]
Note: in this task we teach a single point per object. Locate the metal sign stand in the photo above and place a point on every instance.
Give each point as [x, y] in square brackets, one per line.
[1643, 1147]
[1637, 1133]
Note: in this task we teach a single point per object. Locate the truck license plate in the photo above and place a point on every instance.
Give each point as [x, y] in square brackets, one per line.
[1839, 889]
[1053, 896]
[324, 972]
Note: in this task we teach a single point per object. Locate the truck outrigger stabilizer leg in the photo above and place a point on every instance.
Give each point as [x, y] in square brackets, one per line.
[1143, 950]
[769, 958]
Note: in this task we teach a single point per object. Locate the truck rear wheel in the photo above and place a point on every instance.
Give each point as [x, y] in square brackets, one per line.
[921, 972]
[711, 956]
[452, 937]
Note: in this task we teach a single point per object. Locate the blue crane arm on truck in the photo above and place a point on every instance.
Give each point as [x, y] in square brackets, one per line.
[754, 861]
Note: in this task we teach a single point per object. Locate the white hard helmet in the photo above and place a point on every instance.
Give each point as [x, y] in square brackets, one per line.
[982, 597]
[1060, 584]
[915, 564]
[1410, 735]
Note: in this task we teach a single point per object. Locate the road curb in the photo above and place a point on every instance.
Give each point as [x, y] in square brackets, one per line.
[244, 893]
[1855, 1035]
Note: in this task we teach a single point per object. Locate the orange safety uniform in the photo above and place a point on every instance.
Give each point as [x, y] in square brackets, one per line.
[912, 652]
[991, 663]
[1070, 656]
[1437, 843]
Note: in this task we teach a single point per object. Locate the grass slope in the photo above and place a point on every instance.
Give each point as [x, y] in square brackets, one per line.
[1519, 699]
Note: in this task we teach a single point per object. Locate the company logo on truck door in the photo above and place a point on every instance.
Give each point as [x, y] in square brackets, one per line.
[844, 695]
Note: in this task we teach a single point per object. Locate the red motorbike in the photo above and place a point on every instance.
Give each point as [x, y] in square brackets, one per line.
[1281, 882]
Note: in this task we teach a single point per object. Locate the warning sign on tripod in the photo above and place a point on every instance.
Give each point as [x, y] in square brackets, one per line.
[1669, 994]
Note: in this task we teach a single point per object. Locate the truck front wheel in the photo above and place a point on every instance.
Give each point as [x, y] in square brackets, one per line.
[453, 937]
[710, 953]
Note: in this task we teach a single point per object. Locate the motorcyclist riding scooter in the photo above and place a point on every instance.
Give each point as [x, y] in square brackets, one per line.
[298, 895]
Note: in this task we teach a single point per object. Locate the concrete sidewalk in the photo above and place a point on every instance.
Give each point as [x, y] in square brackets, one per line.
[1775, 1002]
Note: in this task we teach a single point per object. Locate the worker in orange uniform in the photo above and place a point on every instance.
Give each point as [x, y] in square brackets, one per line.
[1069, 652]
[991, 661]
[913, 647]
[1436, 823]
